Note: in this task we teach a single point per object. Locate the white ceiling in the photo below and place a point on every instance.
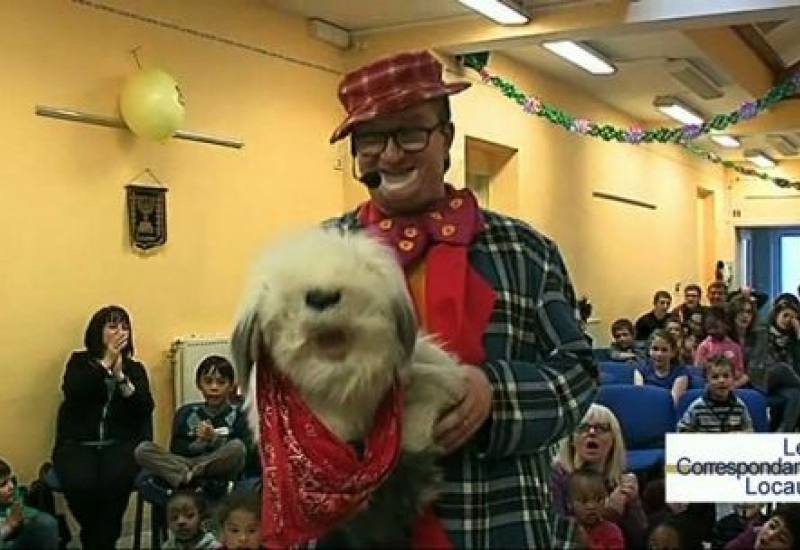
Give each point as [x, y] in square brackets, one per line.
[359, 15]
[640, 58]
[641, 62]
[785, 40]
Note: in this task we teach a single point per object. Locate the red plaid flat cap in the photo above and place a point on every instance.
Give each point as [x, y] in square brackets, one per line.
[389, 85]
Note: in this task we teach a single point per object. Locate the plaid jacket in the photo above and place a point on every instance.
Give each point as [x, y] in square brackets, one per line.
[496, 492]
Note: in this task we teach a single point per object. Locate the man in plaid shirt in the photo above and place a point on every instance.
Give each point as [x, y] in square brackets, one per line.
[493, 290]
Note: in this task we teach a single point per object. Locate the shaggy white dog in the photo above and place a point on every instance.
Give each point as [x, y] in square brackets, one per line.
[332, 311]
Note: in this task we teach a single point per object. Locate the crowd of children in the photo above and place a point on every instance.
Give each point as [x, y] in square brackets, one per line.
[725, 344]
[663, 346]
[210, 448]
[238, 521]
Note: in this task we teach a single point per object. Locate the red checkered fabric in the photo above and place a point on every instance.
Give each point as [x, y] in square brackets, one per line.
[389, 85]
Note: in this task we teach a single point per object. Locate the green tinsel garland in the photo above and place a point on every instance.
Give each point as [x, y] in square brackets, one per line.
[682, 135]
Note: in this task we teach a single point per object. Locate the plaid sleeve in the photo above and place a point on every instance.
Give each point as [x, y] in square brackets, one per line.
[537, 404]
[565, 534]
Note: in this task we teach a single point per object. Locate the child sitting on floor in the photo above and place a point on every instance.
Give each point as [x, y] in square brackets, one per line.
[20, 526]
[588, 492]
[781, 530]
[185, 515]
[209, 439]
[240, 518]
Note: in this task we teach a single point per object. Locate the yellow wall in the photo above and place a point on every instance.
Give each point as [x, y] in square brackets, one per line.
[618, 255]
[63, 232]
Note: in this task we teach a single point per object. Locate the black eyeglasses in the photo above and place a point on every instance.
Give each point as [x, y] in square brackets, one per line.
[411, 139]
[601, 428]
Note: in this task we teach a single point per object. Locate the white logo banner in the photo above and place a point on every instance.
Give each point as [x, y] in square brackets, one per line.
[733, 467]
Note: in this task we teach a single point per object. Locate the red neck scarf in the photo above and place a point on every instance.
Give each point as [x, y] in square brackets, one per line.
[457, 301]
[312, 480]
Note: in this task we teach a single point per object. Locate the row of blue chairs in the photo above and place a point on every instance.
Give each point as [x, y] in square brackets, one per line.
[616, 372]
[647, 413]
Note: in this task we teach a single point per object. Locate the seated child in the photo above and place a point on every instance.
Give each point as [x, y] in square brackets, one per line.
[20, 526]
[675, 532]
[689, 345]
[734, 524]
[623, 348]
[240, 518]
[665, 536]
[675, 328]
[588, 492]
[661, 369]
[781, 530]
[185, 514]
[718, 409]
[209, 439]
[696, 325]
[719, 343]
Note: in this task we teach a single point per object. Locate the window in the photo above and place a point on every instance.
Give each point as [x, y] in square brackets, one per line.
[790, 262]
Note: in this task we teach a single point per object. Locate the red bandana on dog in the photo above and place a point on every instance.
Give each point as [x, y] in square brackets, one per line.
[311, 479]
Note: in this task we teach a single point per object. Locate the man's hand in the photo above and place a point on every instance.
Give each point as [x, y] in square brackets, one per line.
[464, 419]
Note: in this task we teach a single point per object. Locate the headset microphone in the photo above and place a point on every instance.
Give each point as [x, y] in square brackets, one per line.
[371, 179]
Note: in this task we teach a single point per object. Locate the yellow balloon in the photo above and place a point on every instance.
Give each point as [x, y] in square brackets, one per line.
[151, 104]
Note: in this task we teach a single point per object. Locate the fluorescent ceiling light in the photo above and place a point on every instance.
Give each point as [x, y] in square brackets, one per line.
[760, 159]
[729, 142]
[581, 55]
[677, 110]
[502, 12]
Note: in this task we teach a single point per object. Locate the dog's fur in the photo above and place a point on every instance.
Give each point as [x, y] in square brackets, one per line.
[344, 354]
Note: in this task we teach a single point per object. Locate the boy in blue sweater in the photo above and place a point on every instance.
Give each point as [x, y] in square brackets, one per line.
[21, 526]
[210, 440]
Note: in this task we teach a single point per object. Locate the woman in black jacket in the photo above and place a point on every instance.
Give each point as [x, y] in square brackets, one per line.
[106, 412]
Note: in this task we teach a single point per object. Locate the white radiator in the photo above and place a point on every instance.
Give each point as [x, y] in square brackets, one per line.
[186, 353]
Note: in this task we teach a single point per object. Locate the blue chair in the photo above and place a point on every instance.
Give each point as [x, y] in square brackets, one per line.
[601, 354]
[755, 401]
[616, 372]
[697, 378]
[646, 414]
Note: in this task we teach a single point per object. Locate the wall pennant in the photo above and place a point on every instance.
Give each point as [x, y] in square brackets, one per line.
[147, 214]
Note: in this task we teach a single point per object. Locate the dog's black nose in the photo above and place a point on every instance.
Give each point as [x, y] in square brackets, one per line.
[322, 299]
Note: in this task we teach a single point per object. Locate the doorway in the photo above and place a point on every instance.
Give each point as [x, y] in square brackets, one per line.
[768, 258]
[706, 236]
[492, 174]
